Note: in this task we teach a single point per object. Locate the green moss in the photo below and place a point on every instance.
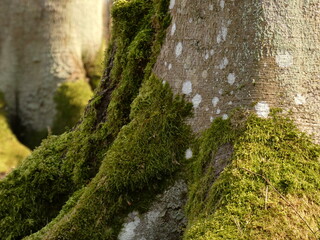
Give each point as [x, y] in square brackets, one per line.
[12, 152]
[35, 191]
[268, 191]
[32, 196]
[71, 99]
[147, 151]
[94, 69]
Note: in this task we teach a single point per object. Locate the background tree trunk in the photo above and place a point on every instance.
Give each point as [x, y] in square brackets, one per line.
[43, 44]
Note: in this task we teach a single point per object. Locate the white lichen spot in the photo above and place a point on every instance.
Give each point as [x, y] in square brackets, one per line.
[173, 29]
[230, 103]
[165, 63]
[152, 217]
[224, 33]
[218, 111]
[128, 229]
[284, 59]
[211, 52]
[164, 82]
[207, 109]
[187, 87]
[231, 92]
[196, 100]
[220, 91]
[204, 74]
[178, 49]
[169, 66]
[206, 56]
[222, 4]
[231, 78]
[190, 20]
[172, 3]
[219, 38]
[211, 7]
[299, 99]
[262, 109]
[224, 62]
[211, 119]
[189, 153]
[225, 116]
[215, 101]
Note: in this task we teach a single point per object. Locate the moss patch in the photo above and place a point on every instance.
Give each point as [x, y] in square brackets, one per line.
[270, 190]
[12, 152]
[71, 99]
[94, 69]
[148, 151]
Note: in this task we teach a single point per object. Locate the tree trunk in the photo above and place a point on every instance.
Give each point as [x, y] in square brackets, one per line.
[43, 44]
[123, 170]
[249, 54]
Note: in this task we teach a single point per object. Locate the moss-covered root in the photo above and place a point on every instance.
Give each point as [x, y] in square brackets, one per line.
[71, 99]
[147, 151]
[35, 192]
[270, 190]
[12, 152]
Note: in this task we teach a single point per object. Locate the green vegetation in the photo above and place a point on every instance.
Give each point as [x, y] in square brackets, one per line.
[95, 68]
[35, 193]
[147, 152]
[130, 144]
[71, 99]
[270, 189]
[12, 152]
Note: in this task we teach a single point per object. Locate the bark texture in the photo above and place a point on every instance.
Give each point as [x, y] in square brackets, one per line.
[226, 54]
[42, 44]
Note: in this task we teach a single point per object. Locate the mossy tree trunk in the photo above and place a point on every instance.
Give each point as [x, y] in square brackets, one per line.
[251, 54]
[247, 173]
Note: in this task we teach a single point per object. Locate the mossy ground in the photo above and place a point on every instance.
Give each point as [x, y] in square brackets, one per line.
[270, 189]
[12, 152]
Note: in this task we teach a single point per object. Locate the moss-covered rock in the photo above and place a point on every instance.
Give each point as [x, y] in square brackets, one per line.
[12, 152]
[269, 190]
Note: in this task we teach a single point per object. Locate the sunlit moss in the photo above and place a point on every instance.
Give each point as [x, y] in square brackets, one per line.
[147, 152]
[12, 152]
[95, 68]
[269, 190]
[71, 99]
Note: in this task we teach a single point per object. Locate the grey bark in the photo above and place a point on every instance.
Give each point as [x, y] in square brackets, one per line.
[42, 44]
[225, 54]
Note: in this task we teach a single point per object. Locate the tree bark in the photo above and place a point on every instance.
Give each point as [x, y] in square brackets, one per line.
[43, 44]
[133, 142]
[250, 54]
